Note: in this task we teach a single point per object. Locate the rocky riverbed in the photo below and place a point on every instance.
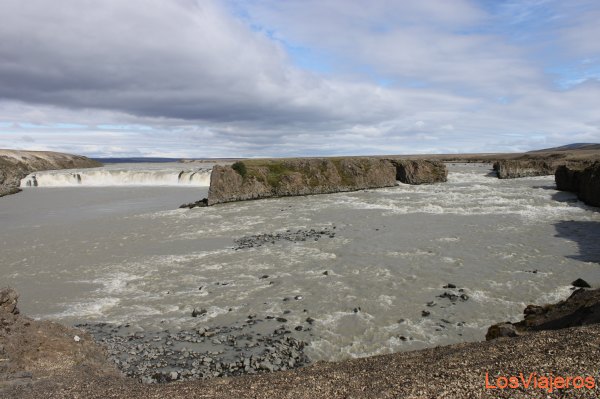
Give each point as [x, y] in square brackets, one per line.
[45, 359]
[257, 240]
[205, 352]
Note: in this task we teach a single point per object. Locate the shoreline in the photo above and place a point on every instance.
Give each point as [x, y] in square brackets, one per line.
[80, 367]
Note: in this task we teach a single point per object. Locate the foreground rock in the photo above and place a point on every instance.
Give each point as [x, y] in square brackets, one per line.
[44, 360]
[258, 240]
[15, 165]
[580, 309]
[585, 181]
[32, 351]
[201, 353]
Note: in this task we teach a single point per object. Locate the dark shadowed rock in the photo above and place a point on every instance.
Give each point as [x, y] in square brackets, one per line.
[580, 283]
[583, 181]
[508, 169]
[420, 171]
[501, 330]
[8, 300]
[580, 309]
[200, 203]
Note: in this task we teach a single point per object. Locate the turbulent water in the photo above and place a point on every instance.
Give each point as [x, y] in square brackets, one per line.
[127, 254]
[142, 174]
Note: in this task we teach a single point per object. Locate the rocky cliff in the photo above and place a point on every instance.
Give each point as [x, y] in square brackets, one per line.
[254, 179]
[15, 165]
[526, 167]
[420, 171]
[508, 169]
[580, 309]
[585, 181]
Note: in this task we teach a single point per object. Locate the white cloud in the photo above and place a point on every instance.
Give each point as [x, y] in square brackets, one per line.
[194, 78]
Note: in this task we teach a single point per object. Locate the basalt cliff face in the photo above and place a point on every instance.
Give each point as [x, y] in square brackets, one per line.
[583, 181]
[42, 359]
[515, 168]
[254, 179]
[15, 165]
[508, 169]
[420, 171]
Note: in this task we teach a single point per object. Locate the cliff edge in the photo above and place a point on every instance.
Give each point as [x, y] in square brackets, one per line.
[15, 165]
[254, 179]
[585, 181]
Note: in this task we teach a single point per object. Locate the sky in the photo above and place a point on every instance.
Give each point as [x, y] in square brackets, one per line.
[254, 78]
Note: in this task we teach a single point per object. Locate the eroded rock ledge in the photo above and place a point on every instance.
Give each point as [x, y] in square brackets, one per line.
[515, 168]
[580, 309]
[15, 165]
[585, 181]
[254, 179]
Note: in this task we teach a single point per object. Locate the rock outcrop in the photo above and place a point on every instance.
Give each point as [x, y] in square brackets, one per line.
[420, 171]
[580, 309]
[509, 169]
[583, 181]
[15, 165]
[254, 179]
[32, 351]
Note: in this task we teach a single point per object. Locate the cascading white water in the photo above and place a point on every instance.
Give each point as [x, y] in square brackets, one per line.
[118, 177]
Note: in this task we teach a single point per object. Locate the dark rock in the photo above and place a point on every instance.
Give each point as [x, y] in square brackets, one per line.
[201, 312]
[581, 308]
[420, 171]
[200, 203]
[425, 313]
[8, 300]
[583, 181]
[501, 330]
[509, 169]
[580, 283]
[449, 285]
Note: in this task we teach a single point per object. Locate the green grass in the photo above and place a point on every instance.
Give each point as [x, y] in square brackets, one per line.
[240, 167]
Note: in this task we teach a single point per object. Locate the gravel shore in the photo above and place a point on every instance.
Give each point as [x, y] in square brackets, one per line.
[42, 359]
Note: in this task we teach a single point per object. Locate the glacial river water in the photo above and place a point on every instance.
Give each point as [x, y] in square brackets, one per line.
[128, 255]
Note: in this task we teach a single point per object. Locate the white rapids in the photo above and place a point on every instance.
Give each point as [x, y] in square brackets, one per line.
[121, 175]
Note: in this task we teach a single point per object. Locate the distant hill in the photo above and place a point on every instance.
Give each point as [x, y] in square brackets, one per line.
[572, 147]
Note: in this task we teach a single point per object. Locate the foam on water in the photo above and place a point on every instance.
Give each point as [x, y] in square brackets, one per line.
[393, 252]
[123, 176]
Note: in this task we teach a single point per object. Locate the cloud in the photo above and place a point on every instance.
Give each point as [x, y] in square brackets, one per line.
[208, 78]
